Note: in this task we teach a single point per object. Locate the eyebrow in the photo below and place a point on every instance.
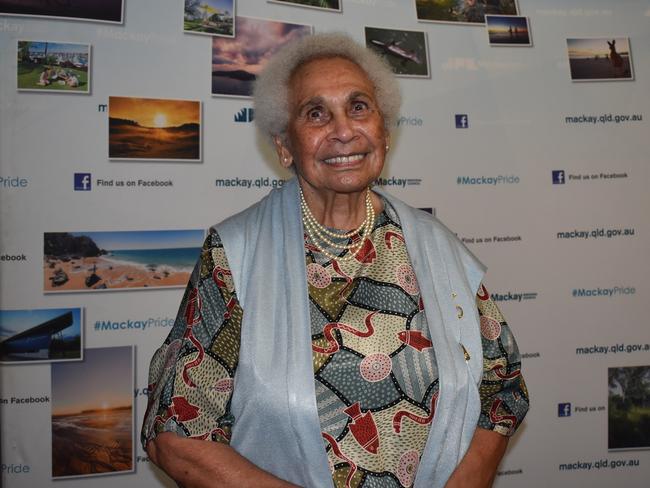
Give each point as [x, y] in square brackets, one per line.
[312, 102]
[318, 100]
[358, 94]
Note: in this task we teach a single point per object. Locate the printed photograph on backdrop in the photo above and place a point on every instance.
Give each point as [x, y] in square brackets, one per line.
[334, 5]
[41, 335]
[508, 30]
[212, 17]
[92, 10]
[92, 414]
[236, 62]
[628, 412]
[600, 59]
[56, 67]
[405, 51]
[119, 260]
[155, 129]
[463, 11]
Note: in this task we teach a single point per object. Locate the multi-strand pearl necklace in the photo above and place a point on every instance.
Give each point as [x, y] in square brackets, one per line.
[321, 236]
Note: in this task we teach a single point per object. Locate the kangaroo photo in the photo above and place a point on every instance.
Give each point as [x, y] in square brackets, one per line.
[600, 59]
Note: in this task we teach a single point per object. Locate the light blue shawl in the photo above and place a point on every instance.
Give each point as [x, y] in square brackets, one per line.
[274, 400]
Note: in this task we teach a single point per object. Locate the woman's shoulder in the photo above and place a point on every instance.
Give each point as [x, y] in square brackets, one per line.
[427, 228]
[424, 218]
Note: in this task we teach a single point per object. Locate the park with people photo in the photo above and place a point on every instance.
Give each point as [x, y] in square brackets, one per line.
[53, 66]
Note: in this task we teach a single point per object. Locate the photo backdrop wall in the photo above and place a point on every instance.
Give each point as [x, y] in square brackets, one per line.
[530, 140]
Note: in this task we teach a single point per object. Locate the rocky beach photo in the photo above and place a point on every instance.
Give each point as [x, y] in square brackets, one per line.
[76, 263]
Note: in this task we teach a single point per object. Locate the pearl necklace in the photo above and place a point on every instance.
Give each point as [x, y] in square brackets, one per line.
[321, 236]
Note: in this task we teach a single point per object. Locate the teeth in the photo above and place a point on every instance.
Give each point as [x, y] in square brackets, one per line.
[345, 159]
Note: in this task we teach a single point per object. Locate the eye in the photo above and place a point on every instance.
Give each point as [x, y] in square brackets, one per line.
[316, 113]
[359, 106]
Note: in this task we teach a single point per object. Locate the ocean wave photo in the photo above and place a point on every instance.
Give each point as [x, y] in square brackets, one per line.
[119, 260]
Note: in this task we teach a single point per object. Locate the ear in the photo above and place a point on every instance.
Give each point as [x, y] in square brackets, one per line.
[284, 154]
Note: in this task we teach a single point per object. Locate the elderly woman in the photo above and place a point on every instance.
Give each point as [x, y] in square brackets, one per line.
[330, 334]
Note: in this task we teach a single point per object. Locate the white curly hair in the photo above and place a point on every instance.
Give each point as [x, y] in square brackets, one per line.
[271, 91]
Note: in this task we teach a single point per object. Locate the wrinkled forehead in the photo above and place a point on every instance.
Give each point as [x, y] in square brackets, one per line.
[331, 74]
[321, 59]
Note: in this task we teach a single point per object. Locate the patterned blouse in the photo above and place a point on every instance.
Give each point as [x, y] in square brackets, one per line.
[374, 364]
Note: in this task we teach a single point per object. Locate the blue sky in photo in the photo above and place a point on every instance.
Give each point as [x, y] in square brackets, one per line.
[58, 47]
[145, 239]
[504, 21]
[14, 321]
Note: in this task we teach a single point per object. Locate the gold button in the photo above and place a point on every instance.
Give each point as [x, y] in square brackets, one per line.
[467, 356]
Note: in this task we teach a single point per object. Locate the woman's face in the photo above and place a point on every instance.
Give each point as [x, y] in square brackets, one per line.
[336, 136]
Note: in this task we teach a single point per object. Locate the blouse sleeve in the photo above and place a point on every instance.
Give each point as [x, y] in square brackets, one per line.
[504, 396]
[191, 375]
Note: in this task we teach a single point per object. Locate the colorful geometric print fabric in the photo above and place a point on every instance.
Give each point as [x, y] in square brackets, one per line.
[504, 396]
[191, 374]
[374, 365]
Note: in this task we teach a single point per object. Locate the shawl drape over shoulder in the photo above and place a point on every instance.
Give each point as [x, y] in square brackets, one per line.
[274, 400]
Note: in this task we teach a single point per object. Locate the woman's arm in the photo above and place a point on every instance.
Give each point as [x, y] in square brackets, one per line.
[479, 466]
[191, 379]
[504, 399]
[195, 463]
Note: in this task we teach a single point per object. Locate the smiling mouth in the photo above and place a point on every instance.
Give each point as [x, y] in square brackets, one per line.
[351, 158]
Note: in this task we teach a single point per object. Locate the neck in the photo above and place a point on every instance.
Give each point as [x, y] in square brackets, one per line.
[343, 211]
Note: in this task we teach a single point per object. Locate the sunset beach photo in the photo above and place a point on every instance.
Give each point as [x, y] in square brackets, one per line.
[154, 129]
[236, 62]
[92, 414]
[508, 30]
[95, 261]
[600, 59]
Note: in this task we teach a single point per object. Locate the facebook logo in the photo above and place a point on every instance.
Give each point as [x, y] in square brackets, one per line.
[558, 177]
[564, 410]
[82, 182]
[462, 121]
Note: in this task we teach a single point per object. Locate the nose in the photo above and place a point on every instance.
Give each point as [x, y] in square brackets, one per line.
[343, 128]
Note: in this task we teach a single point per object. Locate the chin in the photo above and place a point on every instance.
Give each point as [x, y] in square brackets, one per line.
[353, 183]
